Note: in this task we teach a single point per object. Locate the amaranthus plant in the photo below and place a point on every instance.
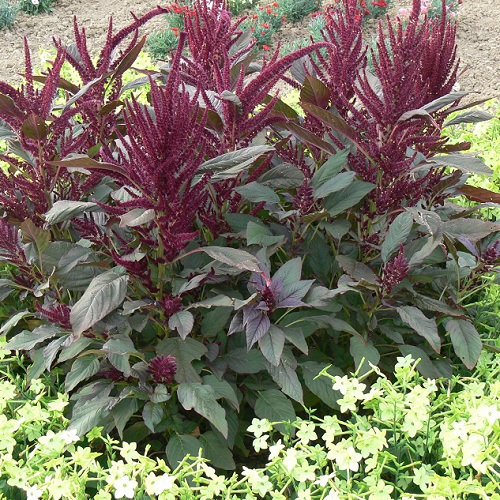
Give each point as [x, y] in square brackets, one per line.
[197, 259]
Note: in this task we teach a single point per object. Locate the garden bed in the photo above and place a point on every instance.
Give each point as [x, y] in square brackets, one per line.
[478, 35]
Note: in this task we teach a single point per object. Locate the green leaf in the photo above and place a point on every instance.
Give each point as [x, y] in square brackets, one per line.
[276, 407]
[179, 447]
[463, 162]
[82, 369]
[473, 116]
[152, 415]
[183, 322]
[118, 349]
[74, 349]
[321, 386]
[260, 235]
[104, 294]
[203, 400]
[70, 260]
[335, 184]
[330, 168]
[216, 451]
[296, 337]
[137, 217]
[239, 222]
[231, 164]
[283, 176]
[357, 270]
[13, 321]
[256, 193]
[424, 326]
[68, 209]
[214, 321]
[184, 352]
[90, 414]
[37, 367]
[466, 341]
[472, 229]
[340, 201]
[123, 412]
[6, 287]
[362, 349]
[399, 230]
[271, 345]
[425, 365]
[223, 389]
[285, 375]
[51, 350]
[290, 272]
[233, 257]
[119, 344]
[26, 340]
[243, 361]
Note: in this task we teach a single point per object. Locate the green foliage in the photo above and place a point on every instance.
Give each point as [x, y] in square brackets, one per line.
[484, 138]
[409, 437]
[196, 258]
[35, 7]
[296, 10]
[238, 7]
[264, 23]
[162, 42]
[8, 13]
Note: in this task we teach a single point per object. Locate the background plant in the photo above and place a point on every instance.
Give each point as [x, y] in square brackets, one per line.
[34, 7]
[8, 13]
[197, 260]
[296, 11]
[433, 9]
[162, 42]
[237, 7]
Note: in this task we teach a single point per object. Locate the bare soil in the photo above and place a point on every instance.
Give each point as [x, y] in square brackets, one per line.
[478, 35]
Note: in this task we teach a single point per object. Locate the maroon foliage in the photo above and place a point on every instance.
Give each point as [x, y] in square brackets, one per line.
[161, 152]
[412, 66]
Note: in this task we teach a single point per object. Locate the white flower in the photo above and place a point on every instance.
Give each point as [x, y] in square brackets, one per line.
[35, 2]
[125, 487]
[260, 443]
[259, 427]
[275, 450]
[306, 432]
[33, 493]
[332, 495]
[323, 480]
[70, 437]
[290, 460]
[155, 485]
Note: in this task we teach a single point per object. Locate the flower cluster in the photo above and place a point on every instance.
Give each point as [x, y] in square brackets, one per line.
[375, 454]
